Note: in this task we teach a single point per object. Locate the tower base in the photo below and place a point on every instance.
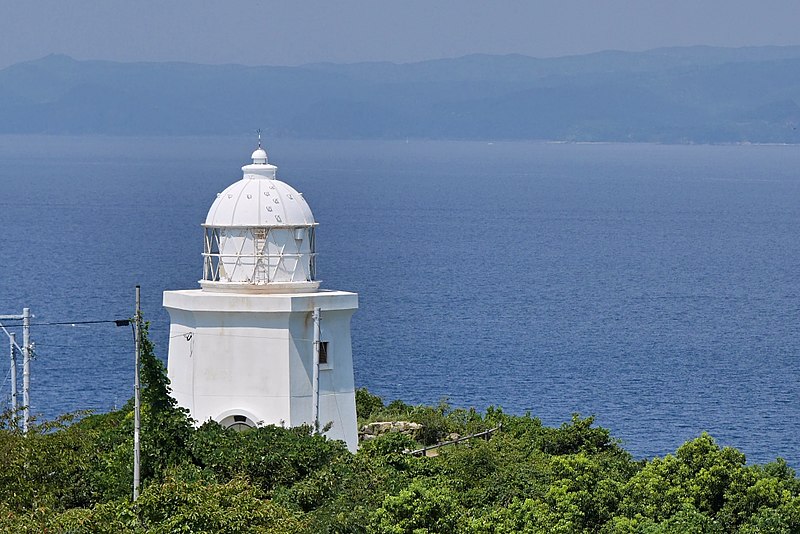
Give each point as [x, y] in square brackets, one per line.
[245, 359]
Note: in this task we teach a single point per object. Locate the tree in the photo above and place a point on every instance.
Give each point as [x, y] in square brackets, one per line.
[419, 509]
[166, 427]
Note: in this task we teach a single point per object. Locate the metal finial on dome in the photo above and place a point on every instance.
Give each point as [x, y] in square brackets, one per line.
[259, 155]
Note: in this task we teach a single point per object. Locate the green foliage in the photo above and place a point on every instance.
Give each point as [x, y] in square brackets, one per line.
[74, 475]
[269, 456]
[40, 469]
[391, 449]
[570, 438]
[235, 506]
[177, 504]
[697, 477]
[419, 508]
[706, 481]
[367, 404]
[165, 427]
[438, 422]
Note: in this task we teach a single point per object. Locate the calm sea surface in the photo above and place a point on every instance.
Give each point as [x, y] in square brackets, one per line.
[653, 286]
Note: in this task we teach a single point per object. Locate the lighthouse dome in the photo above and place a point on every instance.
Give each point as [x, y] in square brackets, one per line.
[259, 235]
[254, 201]
[259, 199]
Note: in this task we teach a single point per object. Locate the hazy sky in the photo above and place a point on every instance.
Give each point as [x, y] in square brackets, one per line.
[291, 32]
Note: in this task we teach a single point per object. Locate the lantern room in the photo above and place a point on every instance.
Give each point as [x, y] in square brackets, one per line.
[259, 235]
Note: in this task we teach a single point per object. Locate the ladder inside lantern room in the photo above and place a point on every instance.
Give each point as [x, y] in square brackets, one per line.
[261, 272]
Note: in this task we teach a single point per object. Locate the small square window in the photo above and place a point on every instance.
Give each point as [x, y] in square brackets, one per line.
[323, 352]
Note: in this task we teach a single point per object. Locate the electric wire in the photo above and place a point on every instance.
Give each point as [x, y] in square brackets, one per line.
[75, 346]
[118, 322]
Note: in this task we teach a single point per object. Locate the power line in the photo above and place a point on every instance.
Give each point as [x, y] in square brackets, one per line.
[117, 322]
[28, 352]
[76, 346]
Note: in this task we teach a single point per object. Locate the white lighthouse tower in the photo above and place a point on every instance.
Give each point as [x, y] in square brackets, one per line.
[260, 343]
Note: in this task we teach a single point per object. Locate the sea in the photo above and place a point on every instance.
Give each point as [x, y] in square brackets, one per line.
[654, 287]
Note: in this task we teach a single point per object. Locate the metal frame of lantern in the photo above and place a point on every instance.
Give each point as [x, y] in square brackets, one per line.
[252, 259]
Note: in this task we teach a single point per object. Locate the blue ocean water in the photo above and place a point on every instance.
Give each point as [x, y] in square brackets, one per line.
[655, 287]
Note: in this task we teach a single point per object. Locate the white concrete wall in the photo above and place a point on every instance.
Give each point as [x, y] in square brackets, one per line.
[336, 385]
[252, 354]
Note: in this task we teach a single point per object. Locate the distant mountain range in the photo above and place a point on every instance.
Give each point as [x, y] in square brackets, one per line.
[684, 95]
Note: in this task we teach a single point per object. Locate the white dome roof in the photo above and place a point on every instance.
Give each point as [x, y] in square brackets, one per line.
[259, 199]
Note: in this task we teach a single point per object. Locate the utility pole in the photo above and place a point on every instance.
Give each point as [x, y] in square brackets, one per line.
[315, 373]
[13, 337]
[26, 368]
[137, 329]
[26, 350]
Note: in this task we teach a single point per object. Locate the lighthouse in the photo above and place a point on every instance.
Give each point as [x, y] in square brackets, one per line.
[259, 342]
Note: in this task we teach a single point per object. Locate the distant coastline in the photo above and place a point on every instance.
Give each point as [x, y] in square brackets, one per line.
[689, 95]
